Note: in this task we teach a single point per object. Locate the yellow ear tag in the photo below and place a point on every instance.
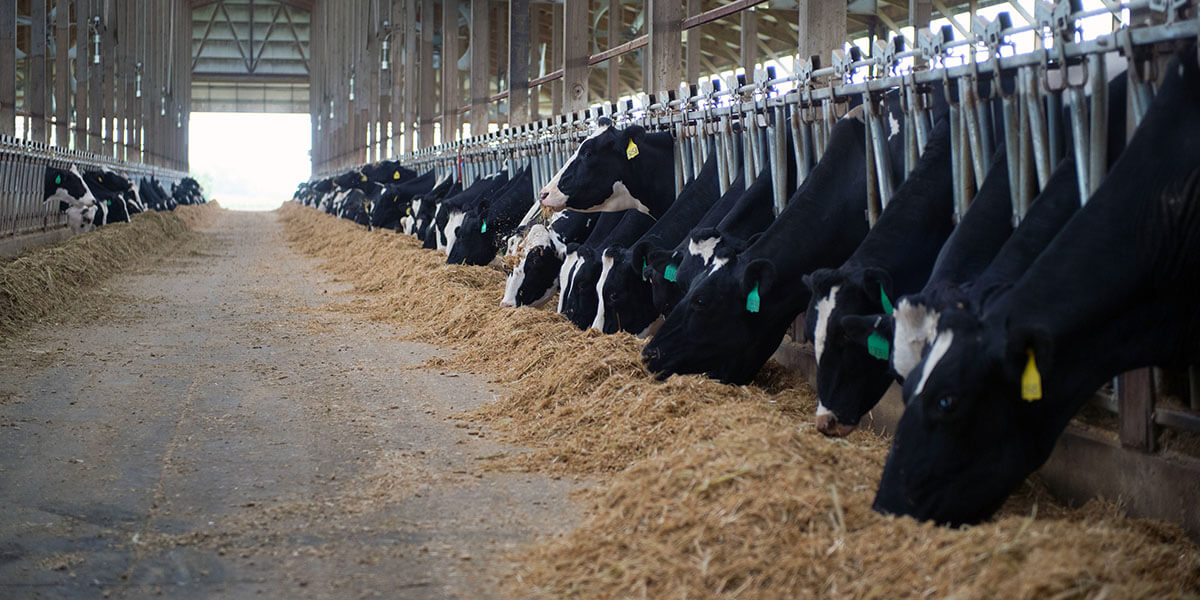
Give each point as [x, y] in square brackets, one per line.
[364, 177]
[396, 175]
[631, 150]
[1031, 380]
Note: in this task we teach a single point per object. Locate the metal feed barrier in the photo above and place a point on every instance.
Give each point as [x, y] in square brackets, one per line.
[1062, 71]
[22, 172]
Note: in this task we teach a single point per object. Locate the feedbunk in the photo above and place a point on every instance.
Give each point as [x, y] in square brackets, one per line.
[1062, 71]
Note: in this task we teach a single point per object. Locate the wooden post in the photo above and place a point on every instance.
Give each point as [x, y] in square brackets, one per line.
[614, 64]
[426, 90]
[518, 62]
[666, 44]
[412, 86]
[480, 63]
[137, 106]
[822, 27]
[451, 99]
[35, 81]
[108, 74]
[62, 72]
[8, 64]
[576, 51]
[919, 14]
[82, 14]
[374, 99]
[95, 85]
[400, 69]
[749, 42]
[693, 44]
[1135, 397]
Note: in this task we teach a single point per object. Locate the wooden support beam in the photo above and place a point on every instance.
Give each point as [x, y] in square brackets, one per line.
[694, 44]
[426, 89]
[749, 42]
[35, 80]
[615, 22]
[518, 62]
[371, 62]
[1135, 398]
[556, 58]
[108, 69]
[822, 27]
[409, 78]
[96, 85]
[481, 28]
[81, 79]
[665, 50]
[62, 72]
[451, 98]
[8, 64]
[577, 39]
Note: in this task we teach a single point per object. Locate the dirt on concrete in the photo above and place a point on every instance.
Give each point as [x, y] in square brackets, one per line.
[201, 426]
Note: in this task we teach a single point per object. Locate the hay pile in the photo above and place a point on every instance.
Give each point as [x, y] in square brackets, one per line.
[711, 490]
[48, 278]
[198, 216]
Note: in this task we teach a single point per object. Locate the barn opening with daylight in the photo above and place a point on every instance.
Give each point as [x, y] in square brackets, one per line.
[599, 299]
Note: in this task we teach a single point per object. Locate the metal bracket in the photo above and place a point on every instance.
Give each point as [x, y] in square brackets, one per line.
[933, 44]
[885, 53]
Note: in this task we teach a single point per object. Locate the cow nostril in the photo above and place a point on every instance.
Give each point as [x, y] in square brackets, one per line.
[543, 195]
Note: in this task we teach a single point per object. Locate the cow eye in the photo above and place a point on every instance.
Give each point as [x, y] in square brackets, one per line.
[948, 403]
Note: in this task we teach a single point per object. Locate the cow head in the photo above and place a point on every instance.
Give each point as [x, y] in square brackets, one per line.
[475, 241]
[596, 178]
[535, 279]
[107, 187]
[660, 268]
[388, 171]
[578, 297]
[625, 298]
[967, 439]
[850, 379]
[726, 326]
[67, 187]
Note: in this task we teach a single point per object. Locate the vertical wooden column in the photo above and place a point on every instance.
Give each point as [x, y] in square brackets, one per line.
[8, 64]
[108, 73]
[315, 124]
[693, 48]
[749, 42]
[666, 44]
[384, 99]
[35, 82]
[62, 72]
[412, 86]
[401, 32]
[426, 91]
[518, 62]
[919, 14]
[480, 63]
[363, 94]
[822, 27]
[556, 58]
[576, 51]
[81, 80]
[1135, 397]
[451, 98]
[374, 98]
[613, 89]
[95, 82]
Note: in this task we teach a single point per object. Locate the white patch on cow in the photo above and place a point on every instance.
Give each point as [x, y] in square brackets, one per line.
[537, 236]
[512, 283]
[717, 264]
[822, 411]
[550, 291]
[940, 346]
[893, 125]
[606, 265]
[652, 328]
[75, 218]
[704, 248]
[555, 199]
[407, 224]
[620, 199]
[451, 230]
[916, 327]
[566, 274]
[824, 309]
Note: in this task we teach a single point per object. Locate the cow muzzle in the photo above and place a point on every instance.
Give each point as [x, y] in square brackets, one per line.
[828, 424]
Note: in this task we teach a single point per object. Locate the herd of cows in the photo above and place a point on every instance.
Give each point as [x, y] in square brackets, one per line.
[101, 196]
[998, 333]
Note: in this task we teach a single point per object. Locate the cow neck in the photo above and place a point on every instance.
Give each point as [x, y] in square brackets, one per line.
[1134, 236]
[910, 232]
[697, 197]
[651, 178]
[826, 212]
[981, 233]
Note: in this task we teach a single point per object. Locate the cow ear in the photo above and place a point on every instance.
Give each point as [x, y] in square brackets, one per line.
[878, 284]
[1029, 359]
[757, 282]
[873, 332]
[817, 280]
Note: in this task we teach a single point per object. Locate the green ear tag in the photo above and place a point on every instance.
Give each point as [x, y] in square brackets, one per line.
[887, 304]
[672, 271]
[108, 202]
[57, 179]
[483, 228]
[878, 346]
[753, 302]
[644, 265]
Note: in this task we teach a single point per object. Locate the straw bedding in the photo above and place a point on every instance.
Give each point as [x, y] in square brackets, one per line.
[707, 490]
[48, 278]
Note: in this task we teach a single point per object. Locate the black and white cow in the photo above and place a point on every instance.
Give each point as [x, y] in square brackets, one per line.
[580, 272]
[485, 227]
[396, 201]
[1115, 290]
[894, 259]
[67, 187]
[106, 187]
[423, 207]
[456, 205]
[730, 321]
[535, 279]
[352, 203]
[626, 301]
[616, 170]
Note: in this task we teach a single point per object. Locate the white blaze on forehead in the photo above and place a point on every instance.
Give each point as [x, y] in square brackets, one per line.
[822, 411]
[565, 274]
[513, 283]
[824, 309]
[940, 346]
[916, 327]
[717, 264]
[451, 230]
[537, 235]
[606, 265]
[704, 248]
[554, 196]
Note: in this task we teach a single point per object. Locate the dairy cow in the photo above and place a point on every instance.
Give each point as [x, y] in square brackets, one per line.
[395, 202]
[1114, 290]
[581, 269]
[535, 279]
[484, 229]
[66, 186]
[436, 235]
